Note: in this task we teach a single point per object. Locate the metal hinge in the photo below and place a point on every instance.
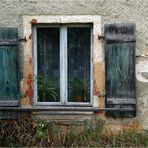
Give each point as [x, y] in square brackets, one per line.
[22, 39]
[101, 37]
[101, 93]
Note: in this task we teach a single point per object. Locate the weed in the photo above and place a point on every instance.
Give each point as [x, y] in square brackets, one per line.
[39, 133]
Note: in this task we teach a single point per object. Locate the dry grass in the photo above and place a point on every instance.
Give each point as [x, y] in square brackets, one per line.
[39, 133]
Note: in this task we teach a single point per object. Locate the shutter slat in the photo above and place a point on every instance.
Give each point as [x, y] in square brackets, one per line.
[120, 68]
[121, 101]
[120, 33]
[10, 42]
[9, 103]
[8, 36]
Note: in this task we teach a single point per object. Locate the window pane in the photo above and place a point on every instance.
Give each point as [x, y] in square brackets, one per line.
[48, 64]
[79, 64]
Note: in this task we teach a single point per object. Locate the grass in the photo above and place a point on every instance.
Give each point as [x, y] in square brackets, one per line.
[38, 133]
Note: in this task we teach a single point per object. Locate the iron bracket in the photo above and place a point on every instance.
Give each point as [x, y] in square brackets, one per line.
[22, 39]
[101, 37]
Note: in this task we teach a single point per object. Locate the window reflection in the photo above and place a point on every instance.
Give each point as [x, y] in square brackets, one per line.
[79, 64]
[48, 64]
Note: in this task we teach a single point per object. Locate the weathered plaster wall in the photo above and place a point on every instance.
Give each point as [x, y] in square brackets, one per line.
[110, 10]
[136, 11]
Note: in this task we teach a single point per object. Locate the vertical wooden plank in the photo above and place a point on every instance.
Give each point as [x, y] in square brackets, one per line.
[120, 68]
[9, 88]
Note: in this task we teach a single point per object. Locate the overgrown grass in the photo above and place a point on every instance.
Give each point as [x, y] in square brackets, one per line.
[39, 133]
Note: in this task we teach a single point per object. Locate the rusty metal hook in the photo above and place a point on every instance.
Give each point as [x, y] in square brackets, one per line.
[101, 37]
[22, 39]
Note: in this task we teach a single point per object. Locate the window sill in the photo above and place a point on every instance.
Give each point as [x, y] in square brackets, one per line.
[51, 108]
[62, 108]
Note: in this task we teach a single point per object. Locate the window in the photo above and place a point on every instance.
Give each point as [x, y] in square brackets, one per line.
[60, 33]
[63, 68]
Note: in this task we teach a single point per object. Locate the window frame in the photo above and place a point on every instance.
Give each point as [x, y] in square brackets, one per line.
[26, 32]
[63, 64]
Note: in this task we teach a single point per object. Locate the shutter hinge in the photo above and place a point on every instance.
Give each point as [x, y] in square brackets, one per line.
[22, 39]
[101, 37]
[101, 93]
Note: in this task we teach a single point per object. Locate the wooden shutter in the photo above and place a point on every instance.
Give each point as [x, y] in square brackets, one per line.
[9, 79]
[120, 69]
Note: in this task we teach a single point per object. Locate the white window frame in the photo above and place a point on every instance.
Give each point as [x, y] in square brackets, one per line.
[63, 65]
[29, 47]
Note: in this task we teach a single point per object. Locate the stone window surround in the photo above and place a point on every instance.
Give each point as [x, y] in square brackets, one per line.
[98, 56]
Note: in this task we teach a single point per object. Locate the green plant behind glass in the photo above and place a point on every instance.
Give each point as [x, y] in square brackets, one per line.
[47, 89]
[80, 88]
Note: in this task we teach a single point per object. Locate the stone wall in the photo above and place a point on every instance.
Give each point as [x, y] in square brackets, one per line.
[11, 12]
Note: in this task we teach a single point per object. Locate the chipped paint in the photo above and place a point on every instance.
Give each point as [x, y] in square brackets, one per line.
[98, 53]
[33, 21]
[116, 128]
[30, 37]
[27, 81]
[95, 101]
[26, 101]
[146, 52]
[96, 91]
[29, 91]
[95, 19]
[30, 61]
[99, 78]
[141, 68]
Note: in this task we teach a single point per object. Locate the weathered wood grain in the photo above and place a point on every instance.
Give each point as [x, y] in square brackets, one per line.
[9, 70]
[120, 67]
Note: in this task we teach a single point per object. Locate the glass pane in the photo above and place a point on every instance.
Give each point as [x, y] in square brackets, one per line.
[79, 64]
[48, 64]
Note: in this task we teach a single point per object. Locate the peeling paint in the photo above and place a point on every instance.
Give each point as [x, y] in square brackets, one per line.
[95, 101]
[98, 51]
[27, 82]
[29, 91]
[146, 52]
[141, 68]
[30, 61]
[145, 74]
[115, 129]
[30, 37]
[33, 21]
[95, 89]
[99, 79]
[26, 101]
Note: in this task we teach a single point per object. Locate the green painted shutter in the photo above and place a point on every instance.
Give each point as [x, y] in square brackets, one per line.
[120, 69]
[9, 78]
